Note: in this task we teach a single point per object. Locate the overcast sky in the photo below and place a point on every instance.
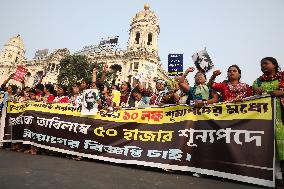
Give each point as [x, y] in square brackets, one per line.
[234, 31]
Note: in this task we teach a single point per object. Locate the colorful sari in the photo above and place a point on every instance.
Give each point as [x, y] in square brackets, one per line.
[269, 84]
[230, 92]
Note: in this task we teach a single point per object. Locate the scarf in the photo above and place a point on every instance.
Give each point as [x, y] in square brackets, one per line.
[202, 90]
[160, 95]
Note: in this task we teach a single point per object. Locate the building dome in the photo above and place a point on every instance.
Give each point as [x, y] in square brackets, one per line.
[145, 15]
[16, 42]
[13, 52]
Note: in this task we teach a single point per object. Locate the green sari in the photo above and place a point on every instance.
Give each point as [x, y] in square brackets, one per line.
[268, 86]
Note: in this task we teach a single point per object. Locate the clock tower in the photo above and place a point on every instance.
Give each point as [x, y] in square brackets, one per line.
[143, 61]
[144, 31]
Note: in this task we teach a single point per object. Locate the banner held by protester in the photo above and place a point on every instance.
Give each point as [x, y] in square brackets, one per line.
[204, 140]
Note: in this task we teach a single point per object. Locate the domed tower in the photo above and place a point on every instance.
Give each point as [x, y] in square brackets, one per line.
[144, 31]
[13, 52]
[142, 58]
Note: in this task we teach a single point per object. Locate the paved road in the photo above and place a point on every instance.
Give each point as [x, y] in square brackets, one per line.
[21, 171]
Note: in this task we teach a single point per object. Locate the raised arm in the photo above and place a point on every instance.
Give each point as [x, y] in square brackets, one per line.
[23, 83]
[94, 75]
[42, 76]
[104, 71]
[181, 80]
[7, 80]
[213, 77]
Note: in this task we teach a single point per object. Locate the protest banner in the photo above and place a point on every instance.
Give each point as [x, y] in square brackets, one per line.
[222, 140]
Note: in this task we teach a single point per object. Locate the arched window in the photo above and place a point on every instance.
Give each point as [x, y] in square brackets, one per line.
[53, 67]
[150, 37]
[136, 66]
[137, 37]
[49, 67]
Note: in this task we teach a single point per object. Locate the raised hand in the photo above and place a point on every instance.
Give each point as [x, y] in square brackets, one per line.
[105, 68]
[198, 103]
[11, 76]
[277, 93]
[179, 79]
[95, 69]
[190, 69]
[216, 73]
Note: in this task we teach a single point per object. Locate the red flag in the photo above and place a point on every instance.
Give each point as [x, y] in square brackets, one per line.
[20, 73]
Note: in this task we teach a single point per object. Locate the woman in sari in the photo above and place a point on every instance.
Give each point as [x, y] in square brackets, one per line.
[200, 94]
[272, 82]
[231, 89]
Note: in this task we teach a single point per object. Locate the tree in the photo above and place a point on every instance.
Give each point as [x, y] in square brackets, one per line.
[73, 69]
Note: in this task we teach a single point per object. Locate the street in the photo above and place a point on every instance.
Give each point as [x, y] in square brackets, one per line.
[19, 170]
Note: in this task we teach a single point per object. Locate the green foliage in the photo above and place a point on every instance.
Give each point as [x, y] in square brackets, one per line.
[109, 74]
[73, 69]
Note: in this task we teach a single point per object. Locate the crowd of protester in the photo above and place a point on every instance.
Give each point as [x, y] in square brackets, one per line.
[200, 93]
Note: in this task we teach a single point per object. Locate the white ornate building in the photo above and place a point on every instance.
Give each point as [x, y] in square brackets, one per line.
[141, 55]
[13, 55]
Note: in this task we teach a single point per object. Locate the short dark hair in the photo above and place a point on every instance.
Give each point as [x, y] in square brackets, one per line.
[77, 84]
[135, 90]
[202, 72]
[32, 90]
[65, 88]
[273, 61]
[101, 86]
[14, 89]
[50, 88]
[25, 88]
[93, 95]
[128, 85]
[86, 81]
[115, 86]
[40, 86]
